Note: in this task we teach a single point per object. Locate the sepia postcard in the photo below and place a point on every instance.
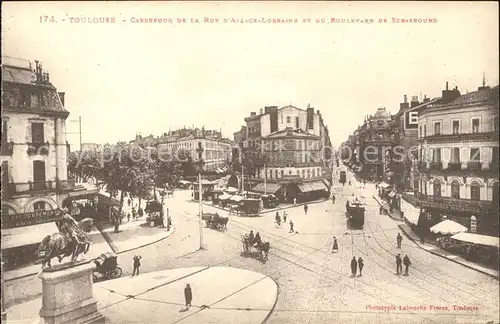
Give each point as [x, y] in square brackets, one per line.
[225, 162]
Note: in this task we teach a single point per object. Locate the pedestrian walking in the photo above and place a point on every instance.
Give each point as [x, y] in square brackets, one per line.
[140, 212]
[407, 263]
[188, 296]
[291, 226]
[399, 239]
[335, 244]
[333, 198]
[349, 182]
[354, 266]
[364, 183]
[295, 201]
[399, 266]
[128, 217]
[361, 264]
[305, 208]
[284, 217]
[129, 202]
[137, 264]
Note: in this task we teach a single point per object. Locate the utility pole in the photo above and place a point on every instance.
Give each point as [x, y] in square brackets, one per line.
[81, 144]
[200, 169]
[265, 179]
[242, 179]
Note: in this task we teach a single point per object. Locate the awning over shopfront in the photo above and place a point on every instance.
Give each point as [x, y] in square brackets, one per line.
[184, 182]
[477, 239]
[269, 188]
[318, 185]
[236, 198]
[410, 212]
[224, 196]
[305, 187]
[384, 185]
[27, 235]
[219, 170]
[231, 190]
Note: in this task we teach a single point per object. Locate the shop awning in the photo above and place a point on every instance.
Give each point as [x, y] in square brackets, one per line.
[477, 239]
[410, 212]
[184, 182]
[391, 194]
[83, 194]
[269, 188]
[224, 196]
[231, 190]
[305, 187]
[384, 185]
[236, 198]
[219, 170]
[318, 185]
[27, 235]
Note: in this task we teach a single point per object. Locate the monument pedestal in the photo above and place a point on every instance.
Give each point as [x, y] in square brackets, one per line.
[67, 295]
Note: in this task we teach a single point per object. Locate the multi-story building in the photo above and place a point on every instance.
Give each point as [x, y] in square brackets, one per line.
[404, 163]
[292, 131]
[34, 155]
[375, 145]
[459, 152]
[216, 150]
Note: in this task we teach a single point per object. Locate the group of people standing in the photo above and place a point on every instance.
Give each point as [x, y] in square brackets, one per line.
[285, 215]
[355, 265]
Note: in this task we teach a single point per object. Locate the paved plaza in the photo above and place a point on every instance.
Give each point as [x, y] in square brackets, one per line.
[315, 285]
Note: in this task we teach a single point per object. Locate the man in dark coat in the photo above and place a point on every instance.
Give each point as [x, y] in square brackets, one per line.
[188, 296]
[137, 264]
[399, 266]
[354, 266]
[406, 262]
[305, 208]
[291, 226]
[333, 198]
[361, 264]
[399, 239]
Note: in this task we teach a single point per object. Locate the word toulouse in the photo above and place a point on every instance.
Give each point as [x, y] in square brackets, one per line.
[92, 20]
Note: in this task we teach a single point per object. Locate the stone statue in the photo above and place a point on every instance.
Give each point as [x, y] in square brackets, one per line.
[70, 241]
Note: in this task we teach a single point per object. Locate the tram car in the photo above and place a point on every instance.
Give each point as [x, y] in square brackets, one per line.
[355, 211]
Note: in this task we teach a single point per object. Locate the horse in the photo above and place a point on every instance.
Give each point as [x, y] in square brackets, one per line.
[58, 245]
[264, 250]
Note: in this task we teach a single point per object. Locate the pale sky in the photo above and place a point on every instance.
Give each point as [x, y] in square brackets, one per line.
[127, 78]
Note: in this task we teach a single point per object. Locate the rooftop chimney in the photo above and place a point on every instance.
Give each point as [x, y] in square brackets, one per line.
[406, 99]
[404, 104]
[253, 113]
[261, 111]
[446, 85]
[317, 111]
[414, 101]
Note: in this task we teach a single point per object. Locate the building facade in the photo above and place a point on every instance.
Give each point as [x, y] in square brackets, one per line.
[34, 155]
[216, 150]
[278, 136]
[404, 164]
[459, 159]
[374, 145]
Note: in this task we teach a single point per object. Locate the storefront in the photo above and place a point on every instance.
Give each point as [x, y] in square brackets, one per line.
[22, 233]
[480, 215]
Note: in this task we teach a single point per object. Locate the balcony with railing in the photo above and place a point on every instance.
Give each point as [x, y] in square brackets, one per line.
[39, 186]
[456, 204]
[454, 166]
[436, 166]
[474, 166]
[7, 148]
[467, 137]
[38, 148]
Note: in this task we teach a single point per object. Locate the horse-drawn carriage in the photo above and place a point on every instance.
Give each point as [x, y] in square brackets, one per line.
[261, 249]
[107, 267]
[215, 221]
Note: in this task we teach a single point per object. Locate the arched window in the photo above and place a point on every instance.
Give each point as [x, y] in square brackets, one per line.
[437, 188]
[455, 189]
[475, 191]
[495, 192]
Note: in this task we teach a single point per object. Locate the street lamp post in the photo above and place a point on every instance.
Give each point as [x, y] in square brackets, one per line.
[80, 134]
[200, 170]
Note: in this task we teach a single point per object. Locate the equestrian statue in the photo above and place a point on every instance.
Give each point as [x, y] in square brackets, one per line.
[70, 241]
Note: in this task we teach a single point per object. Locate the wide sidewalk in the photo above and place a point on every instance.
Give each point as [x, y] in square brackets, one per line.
[132, 235]
[432, 247]
[220, 295]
